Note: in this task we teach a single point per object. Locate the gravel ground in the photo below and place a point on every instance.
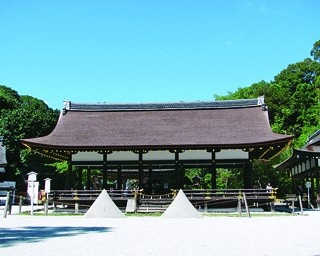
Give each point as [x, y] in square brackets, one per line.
[76, 235]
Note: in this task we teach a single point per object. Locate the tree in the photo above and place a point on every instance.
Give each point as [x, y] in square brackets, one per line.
[9, 99]
[315, 52]
[299, 104]
[23, 117]
[253, 91]
[293, 101]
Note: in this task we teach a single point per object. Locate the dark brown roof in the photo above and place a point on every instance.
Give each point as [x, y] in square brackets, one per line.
[218, 124]
[310, 150]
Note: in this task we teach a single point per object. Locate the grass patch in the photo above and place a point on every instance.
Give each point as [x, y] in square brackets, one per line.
[144, 214]
[54, 214]
[264, 214]
[158, 214]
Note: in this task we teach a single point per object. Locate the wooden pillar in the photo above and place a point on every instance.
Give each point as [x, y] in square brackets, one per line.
[105, 171]
[316, 177]
[182, 173]
[300, 180]
[140, 170]
[88, 183]
[213, 171]
[302, 177]
[119, 178]
[317, 189]
[79, 178]
[150, 180]
[177, 169]
[69, 182]
[247, 175]
[294, 183]
[312, 190]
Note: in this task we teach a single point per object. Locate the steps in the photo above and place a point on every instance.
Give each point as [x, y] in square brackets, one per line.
[154, 205]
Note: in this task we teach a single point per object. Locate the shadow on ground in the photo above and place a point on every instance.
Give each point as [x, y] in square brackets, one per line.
[13, 236]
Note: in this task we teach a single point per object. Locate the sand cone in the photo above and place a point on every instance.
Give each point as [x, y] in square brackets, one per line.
[181, 208]
[104, 207]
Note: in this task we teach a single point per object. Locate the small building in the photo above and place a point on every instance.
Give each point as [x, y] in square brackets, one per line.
[303, 165]
[147, 141]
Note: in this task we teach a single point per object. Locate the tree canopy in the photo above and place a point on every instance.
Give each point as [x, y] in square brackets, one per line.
[23, 117]
[293, 101]
[315, 52]
[9, 98]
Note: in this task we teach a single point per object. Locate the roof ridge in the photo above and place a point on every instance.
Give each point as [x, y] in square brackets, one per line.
[68, 105]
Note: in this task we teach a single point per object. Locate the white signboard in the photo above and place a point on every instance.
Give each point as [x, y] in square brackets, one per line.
[47, 185]
[33, 187]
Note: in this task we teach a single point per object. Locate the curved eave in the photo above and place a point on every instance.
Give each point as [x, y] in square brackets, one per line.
[31, 143]
[60, 155]
[298, 156]
[259, 150]
[286, 164]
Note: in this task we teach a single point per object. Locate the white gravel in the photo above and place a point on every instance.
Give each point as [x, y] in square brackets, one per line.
[142, 236]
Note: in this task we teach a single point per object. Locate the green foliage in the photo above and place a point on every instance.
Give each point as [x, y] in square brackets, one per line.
[60, 167]
[9, 98]
[23, 117]
[293, 100]
[315, 52]
[229, 178]
[202, 173]
[254, 91]
[226, 178]
[264, 173]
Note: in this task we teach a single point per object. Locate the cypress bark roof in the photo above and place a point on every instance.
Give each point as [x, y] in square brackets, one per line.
[216, 124]
[310, 150]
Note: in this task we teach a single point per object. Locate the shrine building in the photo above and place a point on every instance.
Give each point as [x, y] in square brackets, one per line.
[304, 165]
[159, 141]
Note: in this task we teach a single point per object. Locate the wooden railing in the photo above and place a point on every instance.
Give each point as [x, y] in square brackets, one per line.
[88, 194]
[214, 194]
[231, 193]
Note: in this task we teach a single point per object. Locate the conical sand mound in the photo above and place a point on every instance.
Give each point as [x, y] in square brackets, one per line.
[181, 208]
[104, 207]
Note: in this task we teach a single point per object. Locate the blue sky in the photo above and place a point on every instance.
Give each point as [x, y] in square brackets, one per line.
[149, 50]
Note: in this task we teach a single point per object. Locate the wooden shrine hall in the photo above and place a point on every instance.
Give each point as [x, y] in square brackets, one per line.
[149, 139]
[304, 165]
